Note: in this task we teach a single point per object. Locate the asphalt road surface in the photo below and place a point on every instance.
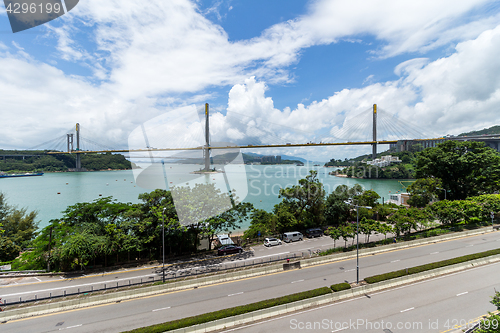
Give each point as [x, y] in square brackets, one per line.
[435, 305]
[118, 317]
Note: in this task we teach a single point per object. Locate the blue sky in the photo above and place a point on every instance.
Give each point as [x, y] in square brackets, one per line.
[272, 71]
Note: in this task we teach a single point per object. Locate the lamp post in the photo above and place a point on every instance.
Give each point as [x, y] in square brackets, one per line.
[443, 190]
[163, 241]
[357, 237]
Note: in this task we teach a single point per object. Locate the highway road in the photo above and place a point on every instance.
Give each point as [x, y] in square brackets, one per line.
[44, 286]
[435, 305]
[140, 312]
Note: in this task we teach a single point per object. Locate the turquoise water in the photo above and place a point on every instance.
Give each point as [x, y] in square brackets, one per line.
[52, 193]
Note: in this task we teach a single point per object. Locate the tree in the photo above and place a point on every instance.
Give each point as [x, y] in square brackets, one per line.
[491, 324]
[306, 201]
[261, 221]
[367, 198]
[423, 191]
[337, 211]
[17, 228]
[406, 219]
[455, 212]
[367, 226]
[464, 168]
[385, 229]
[335, 234]
[347, 231]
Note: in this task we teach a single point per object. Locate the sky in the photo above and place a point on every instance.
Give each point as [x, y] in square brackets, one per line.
[273, 72]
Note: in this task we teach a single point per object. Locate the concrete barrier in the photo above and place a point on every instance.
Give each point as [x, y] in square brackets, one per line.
[330, 298]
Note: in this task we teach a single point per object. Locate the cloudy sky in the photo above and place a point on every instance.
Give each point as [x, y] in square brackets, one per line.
[272, 71]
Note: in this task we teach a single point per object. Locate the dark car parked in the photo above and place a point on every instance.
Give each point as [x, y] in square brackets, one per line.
[229, 249]
[314, 232]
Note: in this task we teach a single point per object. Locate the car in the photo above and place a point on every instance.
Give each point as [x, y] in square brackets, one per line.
[314, 232]
[229, 249]
[271, 241]
[292, 236]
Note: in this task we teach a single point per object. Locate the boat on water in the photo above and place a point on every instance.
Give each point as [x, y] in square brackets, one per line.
[27, 174]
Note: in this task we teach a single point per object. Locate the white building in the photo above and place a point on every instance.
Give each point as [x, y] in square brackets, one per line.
[384, 161]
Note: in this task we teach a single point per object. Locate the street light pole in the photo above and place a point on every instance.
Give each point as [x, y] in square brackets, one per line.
[357, 236]
[163, 241]
[357, 244]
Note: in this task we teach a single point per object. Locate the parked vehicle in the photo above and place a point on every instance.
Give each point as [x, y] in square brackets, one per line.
[271, 242]
[314, 232]
[229, 249]
[292, 236]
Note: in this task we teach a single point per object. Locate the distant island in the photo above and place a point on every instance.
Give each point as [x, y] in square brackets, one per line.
[17, 161]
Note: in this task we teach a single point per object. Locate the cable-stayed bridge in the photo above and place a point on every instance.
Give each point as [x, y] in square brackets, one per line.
[370, 127]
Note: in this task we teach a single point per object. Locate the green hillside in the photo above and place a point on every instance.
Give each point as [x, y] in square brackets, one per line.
[12, 161]
[491, 130]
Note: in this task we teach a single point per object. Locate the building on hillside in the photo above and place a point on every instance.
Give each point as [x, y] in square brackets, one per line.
[384, 161]
[271, 159]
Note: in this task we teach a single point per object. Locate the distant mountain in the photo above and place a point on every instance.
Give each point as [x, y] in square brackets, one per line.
[491, 130]
[251, 156]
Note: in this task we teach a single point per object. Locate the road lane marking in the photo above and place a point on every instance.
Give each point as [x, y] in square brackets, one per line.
[168, 307]
[470, 245]
[235, 294]
[37, 279]
[463, 293]
[434, 252]
[395, 260]
[407, 310]
[350, 270]
[297, 281]
[65, 328]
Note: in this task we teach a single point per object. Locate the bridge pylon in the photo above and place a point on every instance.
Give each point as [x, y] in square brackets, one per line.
[374, 144]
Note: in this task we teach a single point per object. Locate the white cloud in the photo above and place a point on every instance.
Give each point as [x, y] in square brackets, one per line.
[153, 53]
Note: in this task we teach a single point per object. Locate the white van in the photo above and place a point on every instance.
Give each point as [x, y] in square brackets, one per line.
[292, 236]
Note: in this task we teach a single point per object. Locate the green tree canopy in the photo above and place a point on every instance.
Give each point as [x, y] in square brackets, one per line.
[464, 168]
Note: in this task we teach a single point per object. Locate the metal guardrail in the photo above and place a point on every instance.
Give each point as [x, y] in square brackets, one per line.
[126, 283]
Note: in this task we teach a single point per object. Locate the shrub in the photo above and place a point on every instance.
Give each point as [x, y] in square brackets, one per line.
[340, 286]
[207, 317]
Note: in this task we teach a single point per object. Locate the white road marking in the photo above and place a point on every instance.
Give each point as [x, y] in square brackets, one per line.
[168, 307]
[395, 260]
[65, 328]
[407, 310]
[37, 279]
[434, 252]
[354, 299]
[340, 329]
[235, 294]
[463, 293]
[297, 281]
[470, 245]
[350, 270]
